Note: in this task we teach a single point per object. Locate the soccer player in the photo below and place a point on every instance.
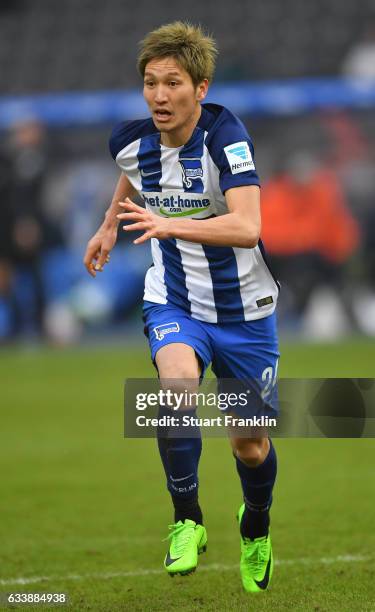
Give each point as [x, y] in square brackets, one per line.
[210, 296]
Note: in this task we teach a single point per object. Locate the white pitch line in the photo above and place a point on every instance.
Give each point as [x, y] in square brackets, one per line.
[213, 567]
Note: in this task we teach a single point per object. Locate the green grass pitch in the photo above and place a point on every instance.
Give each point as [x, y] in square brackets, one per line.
[87, 509]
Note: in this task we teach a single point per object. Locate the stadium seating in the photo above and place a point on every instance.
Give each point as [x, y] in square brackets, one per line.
[90, 44]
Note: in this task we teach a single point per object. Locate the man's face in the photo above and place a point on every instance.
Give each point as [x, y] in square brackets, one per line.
[171, 96]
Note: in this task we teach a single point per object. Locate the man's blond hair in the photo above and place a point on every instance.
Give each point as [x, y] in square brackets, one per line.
[188, 44]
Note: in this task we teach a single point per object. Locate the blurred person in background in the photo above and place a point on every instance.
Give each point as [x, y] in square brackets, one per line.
[352, 157]
[308, 228]
[6, 263]
[360, 59]
[28, 227]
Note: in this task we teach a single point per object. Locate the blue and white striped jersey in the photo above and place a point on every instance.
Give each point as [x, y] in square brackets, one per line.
[212, 283]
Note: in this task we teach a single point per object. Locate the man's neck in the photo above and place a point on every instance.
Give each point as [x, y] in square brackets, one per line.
[183, 135]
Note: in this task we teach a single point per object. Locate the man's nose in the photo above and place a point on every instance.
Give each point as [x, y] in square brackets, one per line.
[160, 94]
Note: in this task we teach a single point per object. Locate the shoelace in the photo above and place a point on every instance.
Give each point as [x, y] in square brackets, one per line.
[256, 554]
[181, 535]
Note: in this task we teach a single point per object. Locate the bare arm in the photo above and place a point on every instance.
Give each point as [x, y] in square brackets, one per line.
[124, 189]
[239, 228]
[100, 245]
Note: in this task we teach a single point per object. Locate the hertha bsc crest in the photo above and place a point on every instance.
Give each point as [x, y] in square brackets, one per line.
[191, 170]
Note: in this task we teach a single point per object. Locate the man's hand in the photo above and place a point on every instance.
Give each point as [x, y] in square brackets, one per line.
[99, 247]
[152, 225]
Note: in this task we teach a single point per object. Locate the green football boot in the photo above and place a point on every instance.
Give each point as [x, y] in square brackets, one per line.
[256, 564]
[188, 540]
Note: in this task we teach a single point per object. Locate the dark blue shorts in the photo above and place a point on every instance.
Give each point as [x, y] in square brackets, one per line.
[245, 351]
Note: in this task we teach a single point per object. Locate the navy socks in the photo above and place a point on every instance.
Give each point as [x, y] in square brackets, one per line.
[257, 484]
[187, 509]
[180, 457]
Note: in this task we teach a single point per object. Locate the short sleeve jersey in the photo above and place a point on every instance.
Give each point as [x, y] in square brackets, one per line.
[213, 283]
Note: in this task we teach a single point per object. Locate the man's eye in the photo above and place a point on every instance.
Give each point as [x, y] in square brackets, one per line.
[173, 83]
[149, 83]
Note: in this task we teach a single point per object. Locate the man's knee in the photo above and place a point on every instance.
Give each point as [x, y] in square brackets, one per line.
[252, 452]
[179, 362]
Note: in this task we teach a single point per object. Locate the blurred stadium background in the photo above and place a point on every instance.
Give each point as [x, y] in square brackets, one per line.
[302, 77]
[303, 84]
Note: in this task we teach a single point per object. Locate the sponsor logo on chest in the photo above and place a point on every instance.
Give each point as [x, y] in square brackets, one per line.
[181, 204]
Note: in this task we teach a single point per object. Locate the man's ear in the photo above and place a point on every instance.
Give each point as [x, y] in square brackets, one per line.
[202, 90]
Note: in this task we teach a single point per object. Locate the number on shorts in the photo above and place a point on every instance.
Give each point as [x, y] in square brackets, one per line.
[269, 377]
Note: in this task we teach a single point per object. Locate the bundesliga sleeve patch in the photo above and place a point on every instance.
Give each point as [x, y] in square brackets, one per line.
[239, 157]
